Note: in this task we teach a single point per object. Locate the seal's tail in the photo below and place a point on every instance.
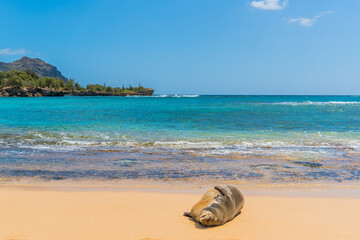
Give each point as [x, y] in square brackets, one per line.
[187, 214]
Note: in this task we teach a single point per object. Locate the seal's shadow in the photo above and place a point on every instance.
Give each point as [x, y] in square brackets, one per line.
[199, 226]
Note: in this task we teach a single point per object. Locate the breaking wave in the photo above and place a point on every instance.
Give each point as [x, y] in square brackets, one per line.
[64, 141]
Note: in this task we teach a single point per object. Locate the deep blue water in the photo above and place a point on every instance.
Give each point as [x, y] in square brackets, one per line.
[244, 138]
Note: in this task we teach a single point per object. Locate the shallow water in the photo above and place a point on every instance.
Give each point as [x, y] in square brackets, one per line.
[252, 139]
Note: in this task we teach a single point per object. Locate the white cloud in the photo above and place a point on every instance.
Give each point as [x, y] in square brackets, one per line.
[269, 4]
[10, 51]
[308, 22]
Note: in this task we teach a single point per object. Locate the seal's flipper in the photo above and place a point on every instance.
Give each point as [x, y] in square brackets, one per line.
[187, 214]
[224, 190]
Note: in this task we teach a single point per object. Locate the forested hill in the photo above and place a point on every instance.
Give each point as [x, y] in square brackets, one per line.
[16, 83]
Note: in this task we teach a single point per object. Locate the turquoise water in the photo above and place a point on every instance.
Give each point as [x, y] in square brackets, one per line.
[256, 139]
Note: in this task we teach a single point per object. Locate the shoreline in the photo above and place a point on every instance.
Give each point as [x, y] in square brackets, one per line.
[51, 213]
[190, 187]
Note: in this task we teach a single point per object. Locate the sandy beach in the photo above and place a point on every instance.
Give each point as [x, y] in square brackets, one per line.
[40, 213]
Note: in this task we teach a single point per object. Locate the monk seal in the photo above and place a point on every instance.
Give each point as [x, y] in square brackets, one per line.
[217, 206]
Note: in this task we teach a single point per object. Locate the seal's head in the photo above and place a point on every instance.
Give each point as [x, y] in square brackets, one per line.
[209, 218]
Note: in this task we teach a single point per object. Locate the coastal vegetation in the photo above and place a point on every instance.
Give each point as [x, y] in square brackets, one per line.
[28, 83]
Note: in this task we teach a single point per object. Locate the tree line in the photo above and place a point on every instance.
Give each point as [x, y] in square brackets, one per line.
[29, 79]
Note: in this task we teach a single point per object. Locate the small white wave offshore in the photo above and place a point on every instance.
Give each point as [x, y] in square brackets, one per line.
[315, 103]
[176, 95]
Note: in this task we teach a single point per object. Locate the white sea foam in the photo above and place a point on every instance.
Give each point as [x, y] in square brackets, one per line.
[206, 148]
[314, 140]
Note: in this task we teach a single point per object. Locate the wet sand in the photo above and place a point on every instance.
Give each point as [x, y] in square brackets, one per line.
[53, 213]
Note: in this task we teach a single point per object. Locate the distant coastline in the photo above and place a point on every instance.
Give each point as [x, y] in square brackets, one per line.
[33, 77]
[27, 83]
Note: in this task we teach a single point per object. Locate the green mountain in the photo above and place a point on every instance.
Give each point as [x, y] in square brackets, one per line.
[38, 66]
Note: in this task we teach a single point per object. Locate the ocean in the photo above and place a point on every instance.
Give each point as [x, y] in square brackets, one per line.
[247, 139]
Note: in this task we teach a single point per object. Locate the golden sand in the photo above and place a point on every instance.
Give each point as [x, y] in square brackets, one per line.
[49, 214]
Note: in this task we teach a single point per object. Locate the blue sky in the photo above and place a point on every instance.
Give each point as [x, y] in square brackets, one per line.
[192, 46]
